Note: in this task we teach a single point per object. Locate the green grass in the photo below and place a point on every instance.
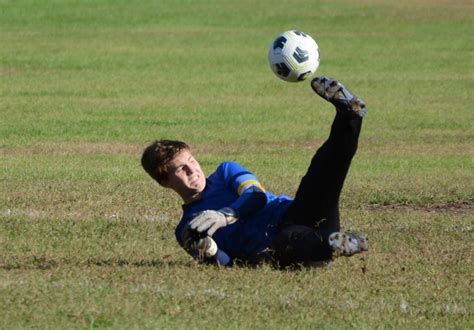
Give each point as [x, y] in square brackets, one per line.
[87, 239]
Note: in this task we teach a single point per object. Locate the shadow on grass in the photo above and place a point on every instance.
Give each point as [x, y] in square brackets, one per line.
[43, 263]
[455, 207]
[118, 262]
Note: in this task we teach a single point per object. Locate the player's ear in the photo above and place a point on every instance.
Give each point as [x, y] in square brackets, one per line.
[165, 183]
[164, 180]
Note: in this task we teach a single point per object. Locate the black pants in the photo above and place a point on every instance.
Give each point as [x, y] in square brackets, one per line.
[314, 214]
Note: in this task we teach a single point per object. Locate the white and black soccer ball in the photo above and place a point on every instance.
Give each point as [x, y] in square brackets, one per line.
[293, 56]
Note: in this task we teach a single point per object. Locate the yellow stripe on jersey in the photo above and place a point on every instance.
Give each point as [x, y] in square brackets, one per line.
[247, 184]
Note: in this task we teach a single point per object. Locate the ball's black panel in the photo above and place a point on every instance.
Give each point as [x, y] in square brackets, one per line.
[279, 43]
[300, 55]
[282, 69]
[303, 75]
[300, 33]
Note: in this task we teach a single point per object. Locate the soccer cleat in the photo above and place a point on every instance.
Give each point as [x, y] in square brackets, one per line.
[347, 244]
[333, 91]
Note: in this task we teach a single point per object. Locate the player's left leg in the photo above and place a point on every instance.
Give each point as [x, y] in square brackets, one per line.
[298, 244]
[346, 244]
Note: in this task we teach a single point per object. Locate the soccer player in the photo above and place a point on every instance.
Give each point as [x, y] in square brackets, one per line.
[229, 216]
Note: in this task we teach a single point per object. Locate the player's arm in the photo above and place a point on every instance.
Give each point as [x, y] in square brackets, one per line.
[251, 200]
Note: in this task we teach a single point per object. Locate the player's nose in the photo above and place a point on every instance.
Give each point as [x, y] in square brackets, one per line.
[189, 169]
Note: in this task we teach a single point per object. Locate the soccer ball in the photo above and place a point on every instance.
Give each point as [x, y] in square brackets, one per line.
[293, 56]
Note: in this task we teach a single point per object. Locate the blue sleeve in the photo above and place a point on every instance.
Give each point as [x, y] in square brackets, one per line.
[249, 202]
[223, 259]
[246, 185]
[238, 177]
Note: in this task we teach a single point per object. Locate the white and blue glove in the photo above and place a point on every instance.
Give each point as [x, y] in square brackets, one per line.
[209, 221]
[204, 248]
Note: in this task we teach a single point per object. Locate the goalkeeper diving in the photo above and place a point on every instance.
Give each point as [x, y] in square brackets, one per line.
[229, 216]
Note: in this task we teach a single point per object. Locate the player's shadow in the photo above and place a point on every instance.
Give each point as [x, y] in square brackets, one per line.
[43, 263]
[120, 262]
[286, 268]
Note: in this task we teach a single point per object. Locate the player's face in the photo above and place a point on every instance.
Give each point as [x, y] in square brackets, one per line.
[185, 176]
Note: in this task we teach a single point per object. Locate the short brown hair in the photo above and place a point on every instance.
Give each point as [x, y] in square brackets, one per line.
[158, 154]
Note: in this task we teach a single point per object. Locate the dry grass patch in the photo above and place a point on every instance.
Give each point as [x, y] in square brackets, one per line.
[455, 207]
[75, 148]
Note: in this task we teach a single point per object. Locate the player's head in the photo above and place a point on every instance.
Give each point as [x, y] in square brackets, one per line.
[172, 165]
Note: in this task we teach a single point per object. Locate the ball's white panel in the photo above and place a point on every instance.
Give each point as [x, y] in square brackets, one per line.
[293, 56]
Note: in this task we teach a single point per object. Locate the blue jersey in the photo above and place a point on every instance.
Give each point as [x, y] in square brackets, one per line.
[247, 236]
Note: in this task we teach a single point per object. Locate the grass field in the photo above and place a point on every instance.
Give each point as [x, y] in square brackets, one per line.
[87, 239]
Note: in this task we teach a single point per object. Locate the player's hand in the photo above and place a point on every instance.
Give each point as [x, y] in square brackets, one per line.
[194, 242]
[206, 247]
[209, 221]
[190, 238]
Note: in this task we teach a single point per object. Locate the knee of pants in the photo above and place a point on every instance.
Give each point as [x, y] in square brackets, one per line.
[298, 244]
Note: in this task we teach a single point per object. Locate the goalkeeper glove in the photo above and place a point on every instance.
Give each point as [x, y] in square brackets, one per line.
[209, 221]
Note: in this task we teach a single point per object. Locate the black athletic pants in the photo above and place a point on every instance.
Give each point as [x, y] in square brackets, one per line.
[314, 214]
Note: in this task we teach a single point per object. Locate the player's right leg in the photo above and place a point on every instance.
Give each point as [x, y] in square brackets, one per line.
[316, 202]
[333, 91]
